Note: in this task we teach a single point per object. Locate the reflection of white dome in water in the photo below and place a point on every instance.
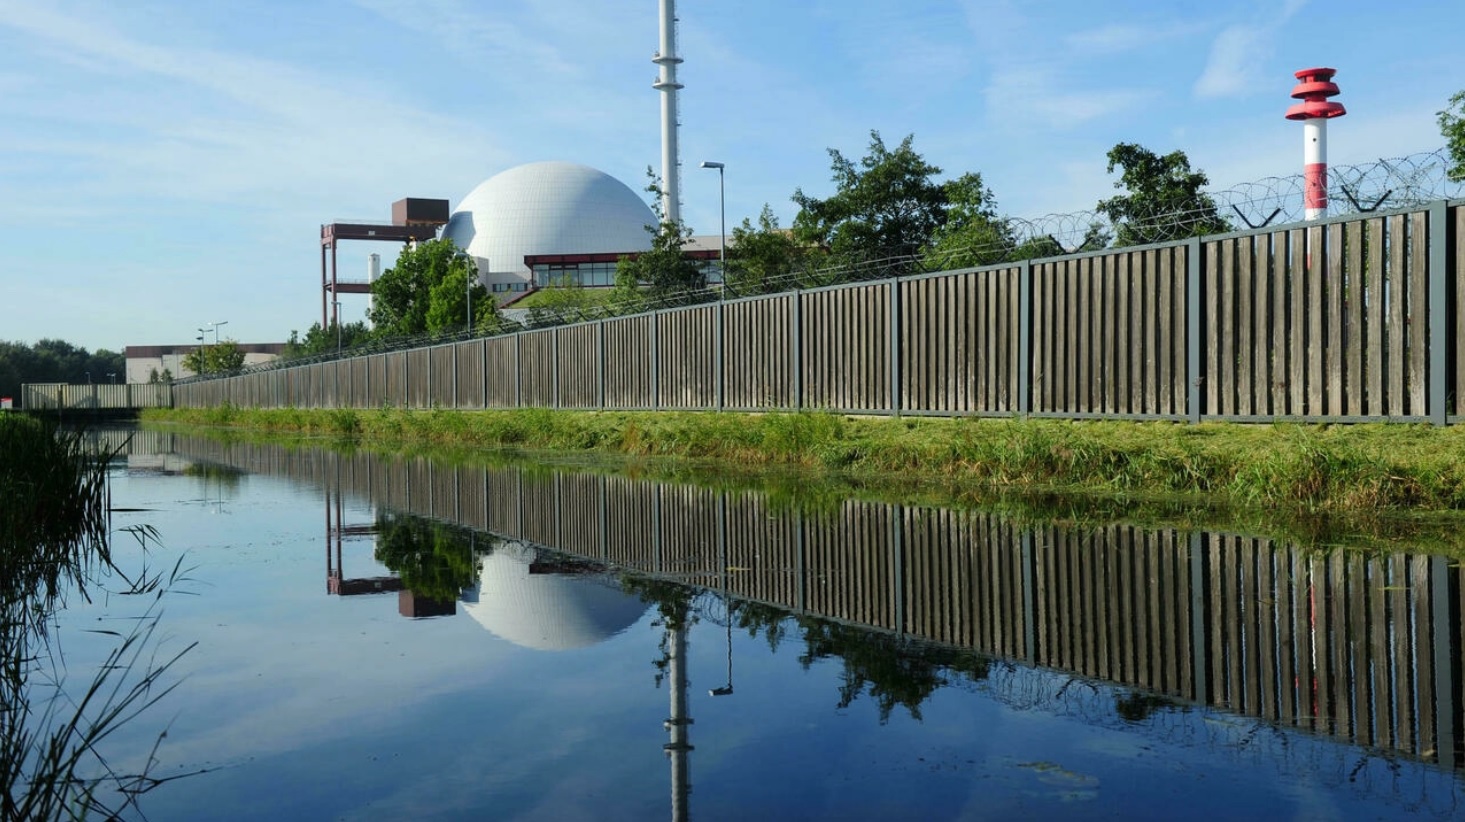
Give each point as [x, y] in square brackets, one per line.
[550, 612]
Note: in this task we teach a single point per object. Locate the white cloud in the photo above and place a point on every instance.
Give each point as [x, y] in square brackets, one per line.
[232, 125]
[1047, 88]
[1239, 55]
[1037, 95]
[1118, 38]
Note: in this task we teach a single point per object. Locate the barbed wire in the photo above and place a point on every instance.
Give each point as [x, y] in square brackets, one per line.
[1401, 182]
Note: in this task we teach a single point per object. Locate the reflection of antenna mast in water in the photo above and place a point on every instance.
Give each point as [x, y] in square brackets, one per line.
[679, 746]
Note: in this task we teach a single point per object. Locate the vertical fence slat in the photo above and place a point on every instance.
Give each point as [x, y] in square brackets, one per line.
[1375, 344]
[1354, 331]
[1336, 287]
[1418, 310]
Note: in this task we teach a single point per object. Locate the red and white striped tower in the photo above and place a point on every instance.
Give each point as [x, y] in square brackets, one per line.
[1314, 87]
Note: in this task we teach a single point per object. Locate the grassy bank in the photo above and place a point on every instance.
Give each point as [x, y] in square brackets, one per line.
[1311, 468]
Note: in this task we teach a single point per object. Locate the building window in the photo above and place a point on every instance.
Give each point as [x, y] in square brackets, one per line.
[583, 274]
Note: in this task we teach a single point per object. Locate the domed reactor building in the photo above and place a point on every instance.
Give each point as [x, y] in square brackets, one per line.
[540, 224]
[550, 223]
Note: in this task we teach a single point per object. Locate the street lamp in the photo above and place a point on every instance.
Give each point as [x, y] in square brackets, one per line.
[722, 219]
[336, 304]
[216, 330]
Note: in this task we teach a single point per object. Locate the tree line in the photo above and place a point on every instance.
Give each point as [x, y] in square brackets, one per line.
[56, 361]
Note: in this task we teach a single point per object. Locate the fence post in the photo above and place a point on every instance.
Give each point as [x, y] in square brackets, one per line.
[1025, 338]
[1439, 263]
[600, 347]
[717, 372]
[796, 366]
[554, 365]
[655, 361]
[1193, 376]
[518, 370]
[894, 347]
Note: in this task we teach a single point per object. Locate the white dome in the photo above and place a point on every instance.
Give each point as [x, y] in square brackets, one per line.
[547, 208]
[548, 612]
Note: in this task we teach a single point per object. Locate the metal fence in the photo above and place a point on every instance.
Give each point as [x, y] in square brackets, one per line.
[1349, 319]
[95, 396]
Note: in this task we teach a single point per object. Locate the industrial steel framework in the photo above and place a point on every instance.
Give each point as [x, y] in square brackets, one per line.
[413, 219]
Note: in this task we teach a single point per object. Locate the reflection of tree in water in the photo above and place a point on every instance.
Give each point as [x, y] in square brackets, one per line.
[892, 670]
[1136, 706]
[435, 560]
[673, 607]
[226, 476]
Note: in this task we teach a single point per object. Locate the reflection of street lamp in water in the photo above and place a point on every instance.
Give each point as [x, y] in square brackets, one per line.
[727, 618]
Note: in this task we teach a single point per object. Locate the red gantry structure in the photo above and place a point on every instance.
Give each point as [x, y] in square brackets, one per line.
[1314, 87]
[413, 219]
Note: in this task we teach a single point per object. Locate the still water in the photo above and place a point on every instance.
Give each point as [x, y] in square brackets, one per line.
[387, 638]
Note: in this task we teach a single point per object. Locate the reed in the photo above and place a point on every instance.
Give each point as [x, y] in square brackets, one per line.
[55, 534]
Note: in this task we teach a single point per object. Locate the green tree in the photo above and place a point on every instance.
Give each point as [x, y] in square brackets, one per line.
[220, 358]
[663, 276]
[886, 208]
[52, 360]
[972, 234]
[1452, 126]
[448, 302]
[562, 301]
[1165, 201]
[323, 340]
[426, 291]
[764, 259]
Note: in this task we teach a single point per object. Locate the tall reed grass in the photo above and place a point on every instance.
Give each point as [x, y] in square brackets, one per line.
[55, 542]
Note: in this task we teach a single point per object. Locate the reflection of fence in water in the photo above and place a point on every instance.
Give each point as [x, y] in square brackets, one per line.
[1365, 649]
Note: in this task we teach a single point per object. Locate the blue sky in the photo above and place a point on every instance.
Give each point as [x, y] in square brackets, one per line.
[165, 164]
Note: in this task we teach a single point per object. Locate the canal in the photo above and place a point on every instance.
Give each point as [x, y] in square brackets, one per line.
[393, 638]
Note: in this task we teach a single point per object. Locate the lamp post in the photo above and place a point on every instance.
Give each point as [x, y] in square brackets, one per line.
[336, 304]
[215, 328]
[722, 221]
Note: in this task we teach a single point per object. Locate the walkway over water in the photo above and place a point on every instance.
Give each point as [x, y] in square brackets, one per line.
[1348, 319]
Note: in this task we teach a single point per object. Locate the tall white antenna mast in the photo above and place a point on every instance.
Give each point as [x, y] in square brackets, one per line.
[666, 83]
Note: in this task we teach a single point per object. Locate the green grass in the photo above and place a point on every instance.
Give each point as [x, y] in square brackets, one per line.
[1311, 468]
